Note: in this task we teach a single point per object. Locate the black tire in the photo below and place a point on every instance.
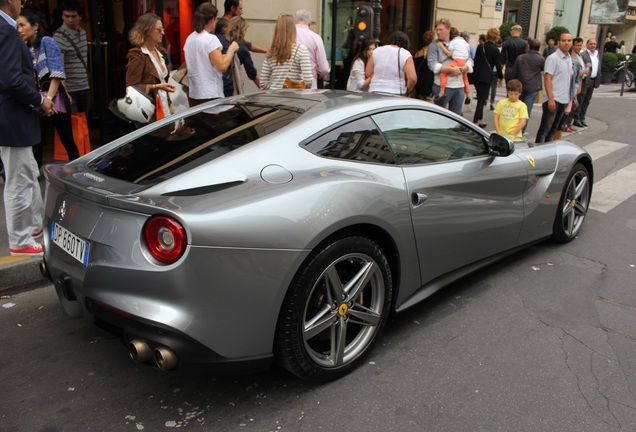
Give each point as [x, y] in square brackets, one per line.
[573, 205]
[328, 322]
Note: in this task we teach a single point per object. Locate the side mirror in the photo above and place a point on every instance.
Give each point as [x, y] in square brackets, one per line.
[499, 145]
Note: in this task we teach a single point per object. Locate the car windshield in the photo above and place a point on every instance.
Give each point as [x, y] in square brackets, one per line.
[179, 147]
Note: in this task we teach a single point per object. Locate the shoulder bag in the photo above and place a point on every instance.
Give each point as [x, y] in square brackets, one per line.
[291, 84]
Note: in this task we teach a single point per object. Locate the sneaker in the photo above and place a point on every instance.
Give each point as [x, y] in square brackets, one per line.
[34, 250]
[37, 234]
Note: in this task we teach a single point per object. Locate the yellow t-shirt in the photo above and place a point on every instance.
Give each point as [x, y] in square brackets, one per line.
[510, 114]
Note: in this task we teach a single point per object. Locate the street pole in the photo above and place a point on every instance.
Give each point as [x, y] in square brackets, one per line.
[377, 7]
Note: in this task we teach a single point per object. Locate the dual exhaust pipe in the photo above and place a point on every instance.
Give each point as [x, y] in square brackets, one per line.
[163, 357]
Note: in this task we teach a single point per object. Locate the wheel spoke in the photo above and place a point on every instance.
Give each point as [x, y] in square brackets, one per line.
[360, 280]
[335, 290]
[580, 189]
[569, 222]
[567, 209]
[364, 317]
[579, 209]
[338, 341]
[319, 323]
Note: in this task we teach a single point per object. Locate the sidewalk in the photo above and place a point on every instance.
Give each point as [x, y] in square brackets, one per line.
[21, 273]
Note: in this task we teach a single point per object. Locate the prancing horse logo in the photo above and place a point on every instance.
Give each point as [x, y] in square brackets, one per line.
[62, 210]
[342, 310]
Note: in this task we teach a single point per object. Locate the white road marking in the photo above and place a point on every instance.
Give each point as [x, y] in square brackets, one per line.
[614, 189]
[601, 148]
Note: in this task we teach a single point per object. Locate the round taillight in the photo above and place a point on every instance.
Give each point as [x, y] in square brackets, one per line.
[166, 238]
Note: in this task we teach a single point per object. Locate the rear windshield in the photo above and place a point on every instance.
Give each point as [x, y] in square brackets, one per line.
[176, 148]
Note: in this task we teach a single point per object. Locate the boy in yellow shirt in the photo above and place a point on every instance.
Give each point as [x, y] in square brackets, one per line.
[511, 115]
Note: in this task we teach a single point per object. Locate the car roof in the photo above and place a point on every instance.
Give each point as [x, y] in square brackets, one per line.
[317, 101]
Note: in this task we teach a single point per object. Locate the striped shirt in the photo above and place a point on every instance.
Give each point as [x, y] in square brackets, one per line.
[76, 76]
[296, 68]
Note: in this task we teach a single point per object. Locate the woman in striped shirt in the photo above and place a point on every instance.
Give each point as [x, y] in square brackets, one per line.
[285, 58]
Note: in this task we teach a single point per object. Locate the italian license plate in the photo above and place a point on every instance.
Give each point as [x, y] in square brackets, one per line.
[70, 243]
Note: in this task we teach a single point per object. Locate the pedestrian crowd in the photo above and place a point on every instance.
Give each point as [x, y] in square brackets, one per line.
[47, 81]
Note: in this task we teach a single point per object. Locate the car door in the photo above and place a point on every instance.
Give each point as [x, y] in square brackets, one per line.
[466, 205]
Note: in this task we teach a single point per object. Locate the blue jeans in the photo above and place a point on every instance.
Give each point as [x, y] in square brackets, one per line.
[528, 99]
[453, 98]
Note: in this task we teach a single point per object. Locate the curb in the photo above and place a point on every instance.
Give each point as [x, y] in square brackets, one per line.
[20, 273]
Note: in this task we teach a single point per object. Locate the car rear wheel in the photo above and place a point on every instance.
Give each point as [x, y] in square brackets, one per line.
[335, 309]
[573, 205]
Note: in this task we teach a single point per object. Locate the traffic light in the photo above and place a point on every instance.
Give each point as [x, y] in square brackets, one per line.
[364, 22]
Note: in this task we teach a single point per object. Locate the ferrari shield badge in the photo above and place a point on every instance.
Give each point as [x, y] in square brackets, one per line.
[531, 160]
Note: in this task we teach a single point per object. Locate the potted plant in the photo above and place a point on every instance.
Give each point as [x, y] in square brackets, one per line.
[555, 33]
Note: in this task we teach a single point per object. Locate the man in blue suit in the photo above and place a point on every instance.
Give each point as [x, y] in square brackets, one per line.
[19, 131]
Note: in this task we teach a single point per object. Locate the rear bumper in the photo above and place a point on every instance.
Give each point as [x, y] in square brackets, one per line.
[128, 327]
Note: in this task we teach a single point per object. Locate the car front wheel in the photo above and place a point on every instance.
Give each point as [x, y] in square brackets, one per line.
[573, 205]
[335, 309]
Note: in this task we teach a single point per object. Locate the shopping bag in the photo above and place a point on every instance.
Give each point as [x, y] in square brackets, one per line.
[81, 136]
[159, 114]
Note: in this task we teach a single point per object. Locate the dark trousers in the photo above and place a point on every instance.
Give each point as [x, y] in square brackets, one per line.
[81, 101]
[550, 122]
[585, 101]
[482, 97]
[493, 87]
[64, 127]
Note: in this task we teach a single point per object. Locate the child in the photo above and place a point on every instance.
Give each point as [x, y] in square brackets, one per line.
[511, 114]
[459, 50]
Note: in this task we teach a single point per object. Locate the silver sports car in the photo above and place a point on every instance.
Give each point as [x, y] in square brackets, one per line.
[286, 226]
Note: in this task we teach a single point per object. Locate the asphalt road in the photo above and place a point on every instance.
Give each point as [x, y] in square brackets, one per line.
[542, 341]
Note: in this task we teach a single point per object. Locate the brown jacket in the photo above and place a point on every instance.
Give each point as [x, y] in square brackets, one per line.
[141, 71]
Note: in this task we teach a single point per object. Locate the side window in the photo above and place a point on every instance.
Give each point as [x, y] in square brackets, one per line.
[359, 140]
[418, 137]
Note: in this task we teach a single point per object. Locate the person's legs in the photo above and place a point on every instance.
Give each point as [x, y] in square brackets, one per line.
[443, 79]
[440, 101]
[585, 103]
[482, 97]
[64, 127]
[528, 99]
[38, 149]
[493, 90]
[455, 98]
[547, 118]
[81, 101]
[22, 197]
[556, 123]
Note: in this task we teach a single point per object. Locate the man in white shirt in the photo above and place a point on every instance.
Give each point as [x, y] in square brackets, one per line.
[314, 44]
[592, 60]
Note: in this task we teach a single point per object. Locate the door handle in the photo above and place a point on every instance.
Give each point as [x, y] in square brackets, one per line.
[418, 198]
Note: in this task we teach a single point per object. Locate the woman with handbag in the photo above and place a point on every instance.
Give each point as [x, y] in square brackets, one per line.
[287, 64]
[487, 58]
[391, 66]
[146, 66]
[49, 72]
[235, 31]
[425, 76]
